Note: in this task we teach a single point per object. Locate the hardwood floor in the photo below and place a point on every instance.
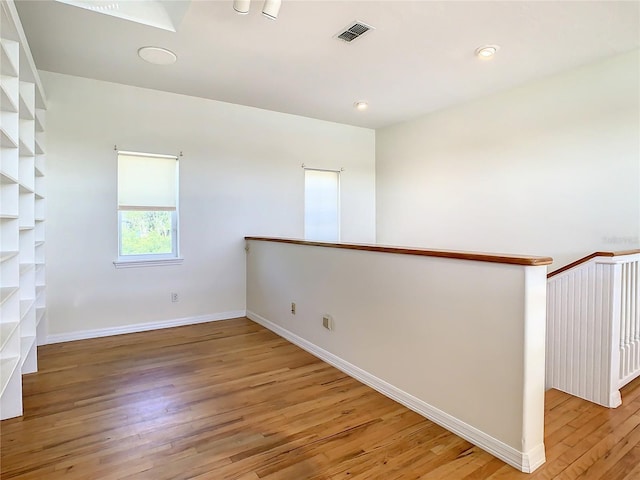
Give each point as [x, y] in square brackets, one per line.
[231, 400]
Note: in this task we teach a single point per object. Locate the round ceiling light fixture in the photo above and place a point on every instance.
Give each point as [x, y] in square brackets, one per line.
[361, 106]
[487, 51]
[157, 55]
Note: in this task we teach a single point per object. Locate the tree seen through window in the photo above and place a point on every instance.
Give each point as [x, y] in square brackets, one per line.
[145, 232]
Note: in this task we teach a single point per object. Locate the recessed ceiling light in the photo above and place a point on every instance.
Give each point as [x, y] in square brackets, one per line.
[487, 51]
[157, 55]
[361, 106]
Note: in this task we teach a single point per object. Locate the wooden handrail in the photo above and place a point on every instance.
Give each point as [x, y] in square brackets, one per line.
[589, 257]
[476, 256]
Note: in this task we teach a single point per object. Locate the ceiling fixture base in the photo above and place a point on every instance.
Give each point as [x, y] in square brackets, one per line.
[157, 55]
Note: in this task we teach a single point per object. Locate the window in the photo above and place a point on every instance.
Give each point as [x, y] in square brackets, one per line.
[321, 205]
[147, 209]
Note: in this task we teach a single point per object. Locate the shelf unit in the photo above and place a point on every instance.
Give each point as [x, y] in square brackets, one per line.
[22, 212]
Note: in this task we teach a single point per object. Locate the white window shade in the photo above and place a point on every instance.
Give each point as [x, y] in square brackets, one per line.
[321, 205]
[147, 182]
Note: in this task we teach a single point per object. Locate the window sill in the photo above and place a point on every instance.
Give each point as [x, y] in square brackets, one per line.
[147, 263]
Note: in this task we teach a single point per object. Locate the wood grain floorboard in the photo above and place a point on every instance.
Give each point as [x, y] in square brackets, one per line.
[231, 400]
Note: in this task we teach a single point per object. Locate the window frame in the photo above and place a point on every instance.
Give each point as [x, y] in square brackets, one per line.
[151, 259]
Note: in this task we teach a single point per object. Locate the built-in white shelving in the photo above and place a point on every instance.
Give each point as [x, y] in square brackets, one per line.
[9, 57]
[22, 212]
[6, 293]
[7, 329]
[4, 256]
[8, 93]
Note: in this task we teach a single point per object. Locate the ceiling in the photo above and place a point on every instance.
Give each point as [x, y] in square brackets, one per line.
[420, 57]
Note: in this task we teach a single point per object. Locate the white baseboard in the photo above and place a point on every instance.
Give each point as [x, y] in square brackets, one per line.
[523, 461]
[142, 327]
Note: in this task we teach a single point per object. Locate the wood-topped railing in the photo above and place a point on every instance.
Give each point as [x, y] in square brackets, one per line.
[589, 257]
[425, 252]
[593, 326]
[593, 315]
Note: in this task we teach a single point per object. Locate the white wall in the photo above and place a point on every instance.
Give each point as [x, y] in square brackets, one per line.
[462, 342]
[240, 175]
[549, 168]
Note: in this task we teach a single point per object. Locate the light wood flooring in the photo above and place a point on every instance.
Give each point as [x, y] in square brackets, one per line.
[231, 400]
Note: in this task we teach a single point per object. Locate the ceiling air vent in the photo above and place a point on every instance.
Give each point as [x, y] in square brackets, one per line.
[353, 30]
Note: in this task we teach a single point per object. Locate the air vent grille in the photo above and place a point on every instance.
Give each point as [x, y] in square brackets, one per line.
[353, 30]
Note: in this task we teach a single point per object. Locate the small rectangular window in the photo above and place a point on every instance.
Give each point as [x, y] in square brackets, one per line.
[322, 205]
[147, 207]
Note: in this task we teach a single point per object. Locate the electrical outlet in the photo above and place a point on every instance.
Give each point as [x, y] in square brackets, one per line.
[174, 297]
[293, 308]
[327, 322]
